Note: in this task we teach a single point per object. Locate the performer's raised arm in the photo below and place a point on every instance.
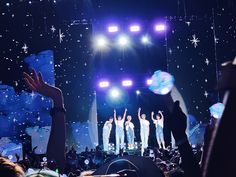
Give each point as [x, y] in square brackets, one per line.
[115, 116]
[123, 119]
[139, 116]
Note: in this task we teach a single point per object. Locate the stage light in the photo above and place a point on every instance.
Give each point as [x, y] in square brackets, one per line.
[116, 97]
[160, 27]
[104, 84]
[115, 93]
[138, 92]
[123, 40]
[149, 81]
[101, 42]
[113, 29]
[145, 40]
[134, 28]
[217, 110]
[127, 83]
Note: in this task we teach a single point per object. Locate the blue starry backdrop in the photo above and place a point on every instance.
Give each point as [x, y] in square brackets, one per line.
[54, 37]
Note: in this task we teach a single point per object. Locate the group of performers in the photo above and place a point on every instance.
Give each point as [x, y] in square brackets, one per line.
[129, 128]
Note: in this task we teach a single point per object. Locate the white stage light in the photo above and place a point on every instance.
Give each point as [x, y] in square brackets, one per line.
[134, 28]
[113, 29]
[145, 40]
[138, 92]
[101, 42]
[160, 27]
[123, 40]
[115, 93]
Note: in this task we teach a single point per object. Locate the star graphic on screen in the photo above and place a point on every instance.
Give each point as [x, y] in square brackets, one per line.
[25, 48]
[206, 94]
[53, 29]
[170, 51]
[195, 41]
[61, 36]
[32, 94]
[188, 23]
[216, 40]
[207, 61]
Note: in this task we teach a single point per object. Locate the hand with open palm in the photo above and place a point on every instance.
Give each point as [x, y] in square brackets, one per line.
[37, 84]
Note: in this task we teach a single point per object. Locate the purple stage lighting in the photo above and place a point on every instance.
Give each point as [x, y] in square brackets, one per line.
[160, 27]
[113, 29]
[134, 28]
[127, 83]
[104, 84]
[149, 81]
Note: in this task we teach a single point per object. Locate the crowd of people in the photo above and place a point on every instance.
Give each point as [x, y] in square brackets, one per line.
[217, 159]
[168, 160]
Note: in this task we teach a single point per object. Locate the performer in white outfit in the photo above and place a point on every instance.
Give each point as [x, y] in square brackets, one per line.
[106, 133]
[129, 127]
[158, 121]
[144, 130]
[120, 135]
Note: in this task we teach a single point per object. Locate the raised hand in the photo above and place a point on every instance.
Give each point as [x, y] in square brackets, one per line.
[139, 110]
[152, 113]
[36, 83]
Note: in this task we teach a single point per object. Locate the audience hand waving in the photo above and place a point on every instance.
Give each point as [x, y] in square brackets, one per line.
[36, 83]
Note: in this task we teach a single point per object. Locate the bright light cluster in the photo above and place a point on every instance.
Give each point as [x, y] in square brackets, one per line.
[123, 40]
[124, 83]
[135, 28]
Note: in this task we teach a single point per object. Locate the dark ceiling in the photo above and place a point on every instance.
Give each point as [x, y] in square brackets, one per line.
[141, 8]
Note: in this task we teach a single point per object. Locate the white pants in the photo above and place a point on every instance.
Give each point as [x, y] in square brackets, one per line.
[144, 139]
[106, 136]
[119, 140]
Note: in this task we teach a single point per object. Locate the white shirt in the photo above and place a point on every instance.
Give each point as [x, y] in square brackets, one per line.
[144, 125]
[107, 126]
[129, 125]
[159, 122]
[120, 123]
